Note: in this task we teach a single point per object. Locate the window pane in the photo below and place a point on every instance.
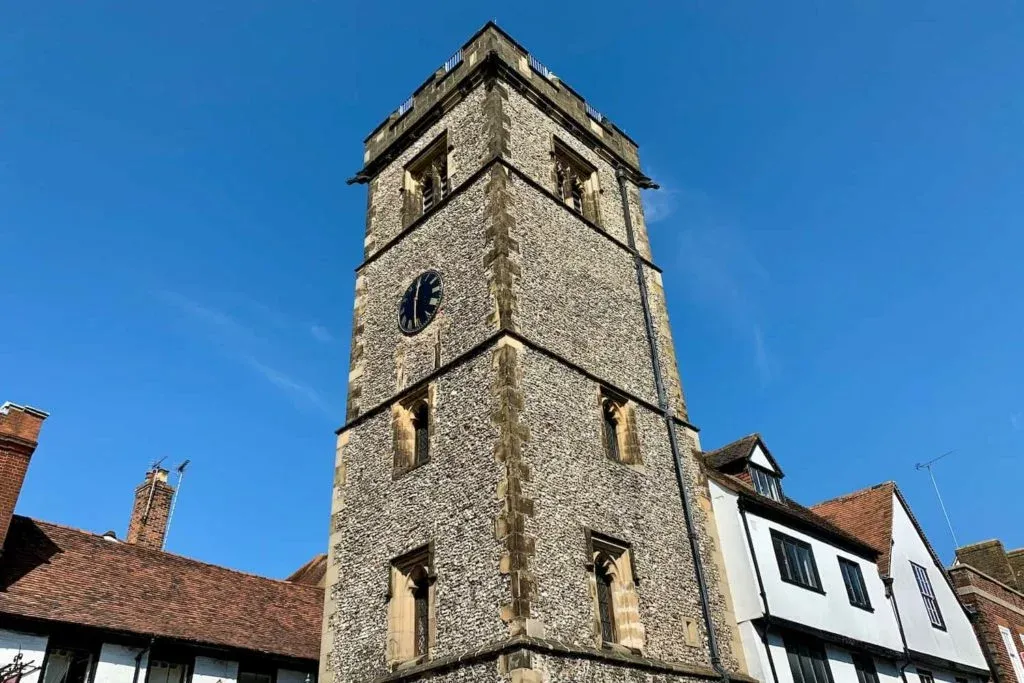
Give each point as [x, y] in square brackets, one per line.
[58, 663]
[421, 599]
[605, 606]
[807, 662]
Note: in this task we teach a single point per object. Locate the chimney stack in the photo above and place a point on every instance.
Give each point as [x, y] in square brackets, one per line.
[19, 436]
[151, 511]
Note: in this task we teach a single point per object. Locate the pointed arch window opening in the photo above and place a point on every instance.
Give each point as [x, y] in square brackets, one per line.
[575, 181]
[611, 414]
[421, 433]
[421, 616]
[605, 598]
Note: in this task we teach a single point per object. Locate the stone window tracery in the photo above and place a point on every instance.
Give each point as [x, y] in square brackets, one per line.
[426, 180]
[575, 181]
[618, 429]
[613, 583]
[411, 607]
[412, 422]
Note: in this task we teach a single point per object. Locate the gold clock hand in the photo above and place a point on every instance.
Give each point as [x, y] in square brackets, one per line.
[415, 304]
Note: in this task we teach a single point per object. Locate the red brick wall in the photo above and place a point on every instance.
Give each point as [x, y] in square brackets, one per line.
[996, 606]
[19, 435]
[151, 511]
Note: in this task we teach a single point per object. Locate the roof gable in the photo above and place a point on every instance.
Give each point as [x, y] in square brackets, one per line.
[750, 448]
[867, 515]
[55, 573]
[759, 457]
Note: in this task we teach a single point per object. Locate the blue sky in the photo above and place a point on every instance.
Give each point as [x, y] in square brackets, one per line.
[839, 227]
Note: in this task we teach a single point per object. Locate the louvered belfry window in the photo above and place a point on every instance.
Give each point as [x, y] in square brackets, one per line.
[574, 181]
[427, 182]
[433, 182]
[570, 184]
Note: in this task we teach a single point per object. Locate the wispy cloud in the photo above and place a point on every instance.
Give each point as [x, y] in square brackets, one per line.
[1017, 421]
[242, 344]
[720, 268]
[659, 205]
[321, 333]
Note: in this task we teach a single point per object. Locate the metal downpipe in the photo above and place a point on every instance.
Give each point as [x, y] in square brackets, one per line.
[666, 411]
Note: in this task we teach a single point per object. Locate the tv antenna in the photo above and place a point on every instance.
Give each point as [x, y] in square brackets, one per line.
[180, 469]
[928, 466]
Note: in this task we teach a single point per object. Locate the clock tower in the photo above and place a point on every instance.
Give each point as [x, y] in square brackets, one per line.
[517, 495]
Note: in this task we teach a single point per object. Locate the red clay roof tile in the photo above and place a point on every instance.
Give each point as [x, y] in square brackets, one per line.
[66, 575]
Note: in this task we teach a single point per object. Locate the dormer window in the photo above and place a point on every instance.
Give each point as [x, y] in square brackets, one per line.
[766, 483]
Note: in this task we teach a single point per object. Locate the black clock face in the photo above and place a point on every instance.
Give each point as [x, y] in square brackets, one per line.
[420, 302]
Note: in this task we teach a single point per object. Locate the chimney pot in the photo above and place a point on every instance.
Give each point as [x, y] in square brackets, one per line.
[19, 436]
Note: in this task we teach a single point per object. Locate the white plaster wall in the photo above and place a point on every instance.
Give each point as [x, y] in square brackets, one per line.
[755, 653]
[832, 611]
[940, 675]
[958, 642]
[759, 458]
[209, 670]
[739, 569]
[289, 676]
[840, 663]
[117, 664]
[32, 648]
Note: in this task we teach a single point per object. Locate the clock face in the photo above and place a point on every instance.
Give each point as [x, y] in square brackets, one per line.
[420, 302]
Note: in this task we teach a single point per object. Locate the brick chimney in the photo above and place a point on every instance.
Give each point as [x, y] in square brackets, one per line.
[1016, 559]
[19, 436]
[990, 558]
[151, 511]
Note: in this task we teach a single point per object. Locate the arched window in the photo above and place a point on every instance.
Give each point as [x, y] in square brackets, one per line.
[575, 179]
[610, 415]
[421, 430]
[421, 616]
[605, 602]
[410, 608]
[426, 180]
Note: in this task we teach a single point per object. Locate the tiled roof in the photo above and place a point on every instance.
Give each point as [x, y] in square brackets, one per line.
[55, 573]
[738, 451]
[867, 514]
[791, 510]
[313, 573]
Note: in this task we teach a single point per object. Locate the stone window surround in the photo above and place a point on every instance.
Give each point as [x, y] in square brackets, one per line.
[562, 153]
[619, 563]
[404, 431]
[404, 574]
[628, 446]
[412, 207]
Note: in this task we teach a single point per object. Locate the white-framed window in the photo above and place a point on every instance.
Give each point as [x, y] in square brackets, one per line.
[166, 672]
[931, 604]
[1011, 650]
[766, 483]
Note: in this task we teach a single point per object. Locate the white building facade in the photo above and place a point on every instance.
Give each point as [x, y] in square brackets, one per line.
[938, 637]
[810, 603]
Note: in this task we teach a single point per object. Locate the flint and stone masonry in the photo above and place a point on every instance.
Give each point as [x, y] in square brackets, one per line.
[542, 311]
